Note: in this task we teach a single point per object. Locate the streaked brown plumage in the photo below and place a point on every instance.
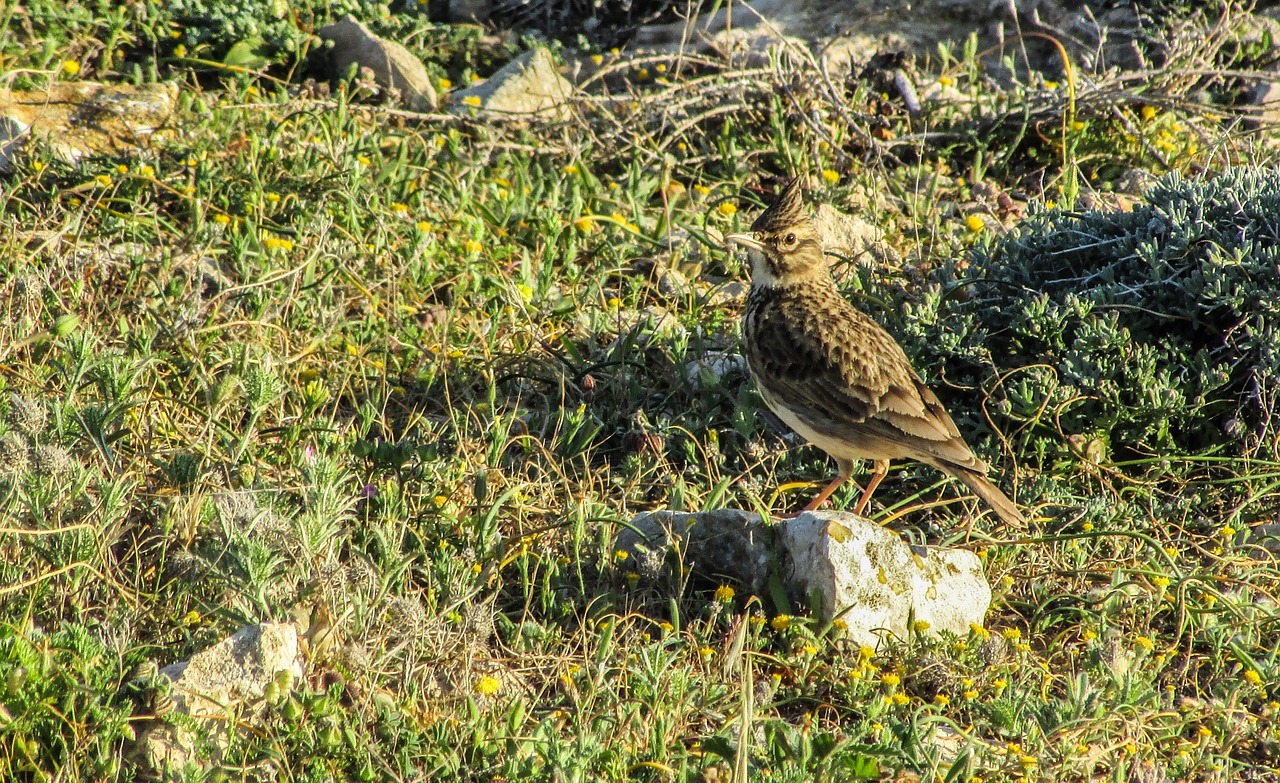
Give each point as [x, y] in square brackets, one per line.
[834, 375]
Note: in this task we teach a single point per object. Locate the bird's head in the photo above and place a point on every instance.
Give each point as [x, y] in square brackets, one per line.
[783, 245]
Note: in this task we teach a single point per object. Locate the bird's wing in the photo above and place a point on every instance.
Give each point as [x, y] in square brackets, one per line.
[844, 370]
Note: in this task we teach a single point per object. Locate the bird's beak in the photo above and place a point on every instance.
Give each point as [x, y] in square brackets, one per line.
[746, 240]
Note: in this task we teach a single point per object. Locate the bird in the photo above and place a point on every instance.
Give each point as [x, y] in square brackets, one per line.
[833, 374]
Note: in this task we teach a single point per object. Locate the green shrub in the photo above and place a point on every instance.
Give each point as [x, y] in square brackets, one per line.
[1152, 332]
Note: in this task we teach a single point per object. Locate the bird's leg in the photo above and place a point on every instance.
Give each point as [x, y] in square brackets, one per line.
[878, 470]
[846, 470]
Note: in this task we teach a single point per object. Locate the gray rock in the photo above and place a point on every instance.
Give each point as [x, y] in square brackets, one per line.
[727, 544]
[474, 11]
[1265, 98]
[394, 67]
[1267, 536]
[868, 577]
[529, 85]
[217, 688]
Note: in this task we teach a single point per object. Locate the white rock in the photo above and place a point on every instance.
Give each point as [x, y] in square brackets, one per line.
[847, 235]
[867, 576]
[709, 369]
[217, 687]
[531, 84]
[12, 131]
[394, 67]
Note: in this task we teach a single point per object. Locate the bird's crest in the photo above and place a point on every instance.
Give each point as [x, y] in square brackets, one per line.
[786, 211]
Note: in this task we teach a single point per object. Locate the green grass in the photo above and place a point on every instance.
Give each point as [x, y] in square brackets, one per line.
[310, 352]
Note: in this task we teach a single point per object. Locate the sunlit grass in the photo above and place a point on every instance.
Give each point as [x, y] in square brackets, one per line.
[307, 352]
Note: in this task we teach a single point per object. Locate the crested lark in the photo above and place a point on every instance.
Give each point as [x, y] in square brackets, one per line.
[834, 375]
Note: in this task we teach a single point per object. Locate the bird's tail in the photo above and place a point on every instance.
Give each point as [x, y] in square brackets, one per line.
[990, 494]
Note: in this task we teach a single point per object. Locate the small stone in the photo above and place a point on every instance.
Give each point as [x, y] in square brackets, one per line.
[530, 85]
[726, 544]
[728, 292]
[1267, 536]
[394, 67]
[671, 284]
[12, 131]
[711, 368]
[472, 11]
[847, 235]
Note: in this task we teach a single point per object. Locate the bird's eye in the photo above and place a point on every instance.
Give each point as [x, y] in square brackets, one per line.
[789, 239]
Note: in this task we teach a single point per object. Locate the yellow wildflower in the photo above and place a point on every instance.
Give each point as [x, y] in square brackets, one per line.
[488, 686]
